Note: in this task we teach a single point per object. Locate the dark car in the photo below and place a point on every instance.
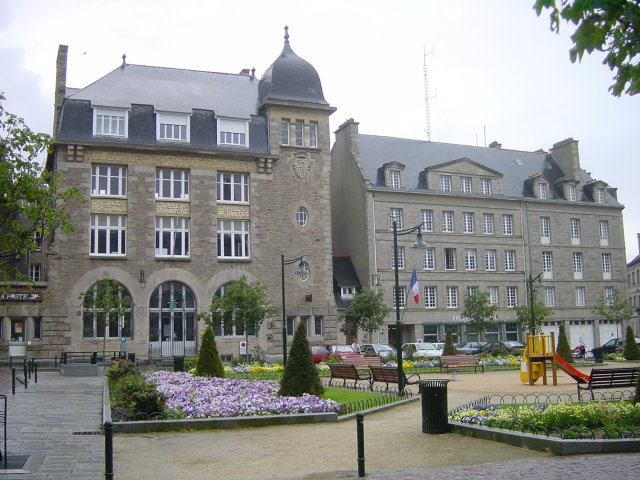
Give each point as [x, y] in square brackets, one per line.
[469, 348]
[497, 346]
[611, 346]
[319, 353]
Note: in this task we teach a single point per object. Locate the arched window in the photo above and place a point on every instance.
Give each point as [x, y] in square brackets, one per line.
[172, 320]
[107, 311]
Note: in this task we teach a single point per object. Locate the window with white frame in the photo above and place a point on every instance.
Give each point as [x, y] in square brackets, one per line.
[427, 221]
[313, 135]
[174, 127]
[394, 178]
[232, 187]
[465, 184]
[600, 195]
[445, 183]
[507, 224]
[547, 265]
[449, 258]
[108, 235]
[603, 230]
[108, 181]
[545, 230]
[430, 297]
[37, 240]
[606, 266]
[574, 228]
[572, 193]
[347, 292]
[429, 259]
[291, 323]
[93, 324]
[487, 224]
[467, 222]
[110, 122]
[400, 254]
[301, 216]
[510, 260]
[233, 132]
[173, 184]
[512, 297]
[451, 296]
[470, 259]
[172, 237]
[542, 191]
[318, 321]
[578, 266]
[401, 296]
[395, 214]
[485, 186]
[472, 290]
[490, 260]
[493, 295]
[35, 271]
[609, 296]
[299, 129]
[233, 239]
[447, 222]
[285, 129]
[550, 296]
[580, 297]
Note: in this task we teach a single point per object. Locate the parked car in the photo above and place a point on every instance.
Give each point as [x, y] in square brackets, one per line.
[500, 345]
[343, 351]
[439, 345]
[611, 346]
[319, 353]
[469, 348]
[421, 349]
[381, 350]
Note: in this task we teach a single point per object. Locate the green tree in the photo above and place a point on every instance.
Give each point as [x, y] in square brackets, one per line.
[366, 312]
[611, 27]
[614, 308]
[244, 306]
[563, 349]
[479, 311]
[531, 318]
[107, 301]
[209, 363]
[631, 348]
[300, 375]
[32, 205]
[449, 347]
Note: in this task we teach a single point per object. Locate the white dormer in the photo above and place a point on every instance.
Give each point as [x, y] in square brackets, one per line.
[111, 122]
[173, 127]
[233, 131]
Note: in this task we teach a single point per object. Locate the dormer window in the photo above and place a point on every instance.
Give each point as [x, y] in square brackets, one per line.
[465, 184]
[542, 191]
[572, 194]
[485, 186]
[347, 293]
[172, 127]
[394, 178]
[600, 195]
[445, 183]
[232, 132]
[110, 122]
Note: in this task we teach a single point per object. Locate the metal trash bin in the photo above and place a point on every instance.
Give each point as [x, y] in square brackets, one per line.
[178, 364]
[598, 355]
[434, 405]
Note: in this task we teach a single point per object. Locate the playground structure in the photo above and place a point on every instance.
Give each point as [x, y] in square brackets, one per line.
[539, 350]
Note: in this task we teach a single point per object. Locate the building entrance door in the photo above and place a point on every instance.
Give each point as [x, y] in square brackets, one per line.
[172, 321]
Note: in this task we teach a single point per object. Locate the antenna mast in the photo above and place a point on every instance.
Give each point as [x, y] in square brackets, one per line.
[426, 91]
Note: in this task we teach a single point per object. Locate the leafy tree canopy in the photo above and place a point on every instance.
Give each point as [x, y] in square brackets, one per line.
[479, 311]
[366, 312]
[531, 318]
[31, 204]
[608, 26]
[614, 308]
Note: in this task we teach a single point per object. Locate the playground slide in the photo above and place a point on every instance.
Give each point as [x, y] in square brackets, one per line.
[565, 366]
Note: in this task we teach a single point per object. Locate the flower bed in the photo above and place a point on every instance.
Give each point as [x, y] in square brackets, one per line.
[201, 397]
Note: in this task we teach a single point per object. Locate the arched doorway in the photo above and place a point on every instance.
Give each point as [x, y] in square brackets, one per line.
[172, 321]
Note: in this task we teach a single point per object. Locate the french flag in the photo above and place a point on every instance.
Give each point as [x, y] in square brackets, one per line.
[414, 287]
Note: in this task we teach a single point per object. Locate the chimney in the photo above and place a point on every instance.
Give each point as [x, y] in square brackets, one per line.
[61, 86]
[566, 155]
[495, 144]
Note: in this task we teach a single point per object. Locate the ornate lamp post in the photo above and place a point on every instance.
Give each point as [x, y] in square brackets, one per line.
[303, 273]
[419, 243]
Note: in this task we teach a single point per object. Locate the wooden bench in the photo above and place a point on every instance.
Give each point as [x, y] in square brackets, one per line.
[348, 372]
[454, 362]
[390, 375]
[362, 363]
[621, 377]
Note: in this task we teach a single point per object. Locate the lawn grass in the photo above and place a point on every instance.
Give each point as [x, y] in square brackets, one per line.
[344, 396]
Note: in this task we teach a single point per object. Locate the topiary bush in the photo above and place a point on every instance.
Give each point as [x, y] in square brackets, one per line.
[631, 349]
[300, 375]
[563, 349]
[209, 363]
[449, 347]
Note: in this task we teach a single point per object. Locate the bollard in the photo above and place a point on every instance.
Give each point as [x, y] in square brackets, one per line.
[35, 372]
[25, 374]
[108, 450]
[13, 380]
[360, 436]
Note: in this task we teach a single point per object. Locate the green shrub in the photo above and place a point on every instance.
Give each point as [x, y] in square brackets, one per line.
[209, 363]
[563, 349]
[449, 347]
[120, 368]
[631, 349]
[134, 395]
[300, 375]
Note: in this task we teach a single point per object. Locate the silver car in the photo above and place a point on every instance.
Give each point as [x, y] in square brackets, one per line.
[381, 350]
[421, 349]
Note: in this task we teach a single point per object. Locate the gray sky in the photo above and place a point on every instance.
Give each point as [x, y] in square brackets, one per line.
[496, 71]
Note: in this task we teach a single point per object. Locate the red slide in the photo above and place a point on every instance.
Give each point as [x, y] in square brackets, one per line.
[567, 368]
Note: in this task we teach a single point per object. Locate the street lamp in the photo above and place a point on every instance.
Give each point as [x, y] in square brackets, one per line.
[303, 273]
[532, 284]
[419, 243]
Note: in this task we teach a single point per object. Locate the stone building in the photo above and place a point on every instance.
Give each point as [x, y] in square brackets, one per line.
[633, 288]
[506, 222]
[191, 180]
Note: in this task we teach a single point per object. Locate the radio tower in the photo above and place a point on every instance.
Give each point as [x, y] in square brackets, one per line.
[426, 92]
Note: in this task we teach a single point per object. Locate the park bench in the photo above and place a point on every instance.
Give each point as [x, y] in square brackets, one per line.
[79, 357]
[390, 375]
[454, 362]
[362, 363]
[620, 377]
[348, 372]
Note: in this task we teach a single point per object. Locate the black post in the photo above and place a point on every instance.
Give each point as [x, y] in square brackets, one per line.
[360, 436]
[13, 380]
[108, 450]
[25, 375]
[64, 358]
[35, 372]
